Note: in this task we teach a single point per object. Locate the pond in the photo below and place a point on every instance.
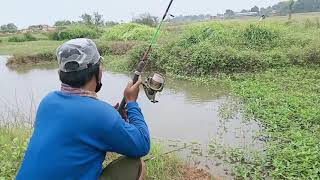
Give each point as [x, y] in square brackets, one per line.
[186, 112]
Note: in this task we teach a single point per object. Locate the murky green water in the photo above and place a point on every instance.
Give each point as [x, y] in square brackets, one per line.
[186, 113]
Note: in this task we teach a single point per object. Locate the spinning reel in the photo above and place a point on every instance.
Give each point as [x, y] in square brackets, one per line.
[153, 85]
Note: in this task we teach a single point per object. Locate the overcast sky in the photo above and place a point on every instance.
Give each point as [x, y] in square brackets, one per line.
[29, 12]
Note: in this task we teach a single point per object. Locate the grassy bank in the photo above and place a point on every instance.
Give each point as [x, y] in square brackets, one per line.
[13, 143]
[28, 48]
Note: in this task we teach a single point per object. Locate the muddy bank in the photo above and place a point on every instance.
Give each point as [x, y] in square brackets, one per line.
[36, 59]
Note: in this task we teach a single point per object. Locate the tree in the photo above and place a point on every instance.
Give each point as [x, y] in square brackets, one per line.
[87, 19]
[302, 6]
[11, 28]
[291, 3]
[111, 23]
[98, 19]
[255, 9]
[244, 11]
[229, 13]
[63, 23]
[282, 8]
[4, 28]
[146, 19]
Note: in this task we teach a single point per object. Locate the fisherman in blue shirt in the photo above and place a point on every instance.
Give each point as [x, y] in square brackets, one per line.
[74, 129]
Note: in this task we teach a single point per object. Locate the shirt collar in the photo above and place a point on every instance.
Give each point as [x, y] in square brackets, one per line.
[65, 88]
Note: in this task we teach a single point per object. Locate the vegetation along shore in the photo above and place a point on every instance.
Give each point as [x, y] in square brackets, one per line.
[272, 66]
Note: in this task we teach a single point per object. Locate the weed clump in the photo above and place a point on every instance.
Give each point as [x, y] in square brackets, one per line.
[72, 32]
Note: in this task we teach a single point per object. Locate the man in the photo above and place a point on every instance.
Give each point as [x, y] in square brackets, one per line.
[74, 130]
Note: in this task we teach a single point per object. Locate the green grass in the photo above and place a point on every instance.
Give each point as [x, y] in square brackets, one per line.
[28, 48]
[13, 144]
[167, 167]
[116, 63]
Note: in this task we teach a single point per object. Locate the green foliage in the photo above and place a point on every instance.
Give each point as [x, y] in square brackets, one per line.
[115, 47]
[257, 36]
[77, 31]
[25, 37]
[13, 144]
[63, 23]
[163, 167]
[146, 19]
[129, 31]
[286, 102]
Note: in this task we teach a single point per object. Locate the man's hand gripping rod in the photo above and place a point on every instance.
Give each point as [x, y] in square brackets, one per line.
[144, 61]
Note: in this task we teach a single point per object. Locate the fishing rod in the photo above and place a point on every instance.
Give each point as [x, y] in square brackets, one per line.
[169, 152]
[153, 84]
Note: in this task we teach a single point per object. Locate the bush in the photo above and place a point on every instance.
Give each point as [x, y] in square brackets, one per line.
[29, 37]
[312, 53]
[73, 32]
[129, 31]
[115, 48]
[260, 37]
[25, 37]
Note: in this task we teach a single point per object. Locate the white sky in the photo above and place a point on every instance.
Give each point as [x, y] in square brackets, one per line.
[29, 12]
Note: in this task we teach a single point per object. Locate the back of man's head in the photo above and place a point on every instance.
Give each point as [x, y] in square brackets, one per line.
[78, 62]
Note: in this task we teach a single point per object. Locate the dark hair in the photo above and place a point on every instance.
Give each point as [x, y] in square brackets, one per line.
[78, 79]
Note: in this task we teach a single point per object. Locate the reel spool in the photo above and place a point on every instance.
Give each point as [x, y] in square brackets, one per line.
[153, 85]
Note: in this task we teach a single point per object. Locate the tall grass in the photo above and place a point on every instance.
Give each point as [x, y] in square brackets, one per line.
[131, 31]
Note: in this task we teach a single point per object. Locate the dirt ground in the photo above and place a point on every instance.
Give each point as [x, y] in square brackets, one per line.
[193, 173]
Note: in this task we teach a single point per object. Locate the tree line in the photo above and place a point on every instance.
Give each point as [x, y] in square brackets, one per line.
[96, 19]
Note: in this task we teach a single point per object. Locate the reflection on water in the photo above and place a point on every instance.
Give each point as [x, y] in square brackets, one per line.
[186, 112]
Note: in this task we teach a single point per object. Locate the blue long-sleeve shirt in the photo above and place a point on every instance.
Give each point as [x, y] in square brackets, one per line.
[72, 135]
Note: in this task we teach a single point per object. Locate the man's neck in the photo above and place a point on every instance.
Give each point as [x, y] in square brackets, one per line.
[90, 86]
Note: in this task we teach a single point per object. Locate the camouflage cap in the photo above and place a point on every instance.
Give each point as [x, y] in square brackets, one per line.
[77, 55]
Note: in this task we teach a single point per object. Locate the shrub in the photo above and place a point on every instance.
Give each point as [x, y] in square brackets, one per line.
[29, 37]
[25, 37]
[115, 48]
[260, 37]
[73, 32]
[312, 53]
[129, 31]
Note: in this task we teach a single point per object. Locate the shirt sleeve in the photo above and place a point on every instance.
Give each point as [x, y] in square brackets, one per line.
[130, 139]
